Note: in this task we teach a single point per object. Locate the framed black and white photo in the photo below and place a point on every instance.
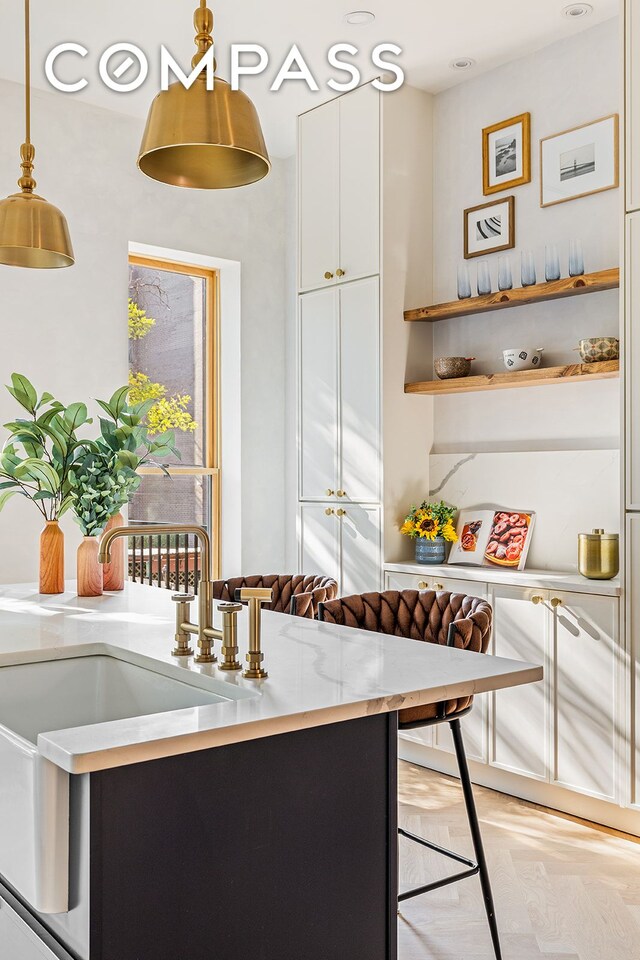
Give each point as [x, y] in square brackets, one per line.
[506, 154]
[489, 227]
[579, 162]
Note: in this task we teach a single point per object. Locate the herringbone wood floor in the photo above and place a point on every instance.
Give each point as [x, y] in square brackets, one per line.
[564, 890]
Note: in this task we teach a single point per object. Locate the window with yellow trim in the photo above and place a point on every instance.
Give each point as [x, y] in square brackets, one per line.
[173, 359]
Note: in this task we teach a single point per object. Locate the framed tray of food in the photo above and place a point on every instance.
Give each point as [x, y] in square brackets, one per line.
[497, 538]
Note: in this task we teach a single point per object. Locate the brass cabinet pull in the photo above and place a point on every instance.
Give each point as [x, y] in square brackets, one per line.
[330, 493]
[438, 586]
[329, 511]
[341, 513]
[328, 275]
[537, 599]
[340, 272]
[423, 585]
[341, 493]
[556, 602]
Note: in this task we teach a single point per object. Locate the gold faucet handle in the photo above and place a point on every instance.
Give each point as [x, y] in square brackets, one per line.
[182, 601]
[262, 594]
[255, 596]
[229, 649]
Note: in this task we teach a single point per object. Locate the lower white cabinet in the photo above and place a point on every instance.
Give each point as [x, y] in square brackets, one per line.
[569, 730]
[520, 729]
[588, 695]
[18, 941]
[342, 542]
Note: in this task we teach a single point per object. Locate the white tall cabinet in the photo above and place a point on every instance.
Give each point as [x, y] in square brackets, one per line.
[364, 209]
[631, 368]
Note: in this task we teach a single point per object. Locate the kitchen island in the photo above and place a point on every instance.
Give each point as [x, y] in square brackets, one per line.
[206, 815]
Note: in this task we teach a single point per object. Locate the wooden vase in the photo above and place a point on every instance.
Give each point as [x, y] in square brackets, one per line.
[114, 571]
[52, 558]
[89, 570]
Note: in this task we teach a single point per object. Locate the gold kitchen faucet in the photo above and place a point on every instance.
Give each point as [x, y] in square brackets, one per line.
[204, 629]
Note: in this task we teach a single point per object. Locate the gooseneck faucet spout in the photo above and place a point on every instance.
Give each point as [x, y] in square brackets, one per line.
[204, 628]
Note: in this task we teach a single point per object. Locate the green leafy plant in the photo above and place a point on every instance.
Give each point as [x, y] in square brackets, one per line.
[99, 492]
[39, 454]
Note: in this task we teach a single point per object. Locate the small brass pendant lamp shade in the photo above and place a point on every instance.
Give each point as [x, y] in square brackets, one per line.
[33, 233]
[207, 139]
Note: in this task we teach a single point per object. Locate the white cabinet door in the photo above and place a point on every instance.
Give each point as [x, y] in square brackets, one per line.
[17, 940]
[360, 391]
[319, 195]
[632, 357]
[632, 614]
[632, 44]
[319, 540]
[587, 667]
[360, 183]
[361, 549]
[520, 715]
[319, 394]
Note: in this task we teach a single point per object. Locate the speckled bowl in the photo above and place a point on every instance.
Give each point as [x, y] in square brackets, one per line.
[448, 368]
[597, 349]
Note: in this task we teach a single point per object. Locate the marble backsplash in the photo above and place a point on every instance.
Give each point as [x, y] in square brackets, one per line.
[571, 491]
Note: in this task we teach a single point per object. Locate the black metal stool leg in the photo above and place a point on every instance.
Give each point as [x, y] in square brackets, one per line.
[476, 837]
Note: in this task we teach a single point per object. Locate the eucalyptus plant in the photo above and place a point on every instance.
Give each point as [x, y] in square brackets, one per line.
[104, 479]
[41, 450]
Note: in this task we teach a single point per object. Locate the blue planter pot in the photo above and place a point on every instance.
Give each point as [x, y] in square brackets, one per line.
[430, 551]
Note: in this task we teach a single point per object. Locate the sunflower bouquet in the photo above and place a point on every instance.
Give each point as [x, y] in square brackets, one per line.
[430, 520]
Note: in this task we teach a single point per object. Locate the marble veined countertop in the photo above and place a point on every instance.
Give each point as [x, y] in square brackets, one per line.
[318, 673]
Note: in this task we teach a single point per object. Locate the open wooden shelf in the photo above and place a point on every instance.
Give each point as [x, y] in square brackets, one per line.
[555, 290]
[570, 373]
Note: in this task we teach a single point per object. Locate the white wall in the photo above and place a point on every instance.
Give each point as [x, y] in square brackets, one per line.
[67, 329]
[564, 85]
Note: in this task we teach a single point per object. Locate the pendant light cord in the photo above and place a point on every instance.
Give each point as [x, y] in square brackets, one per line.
[27, 71]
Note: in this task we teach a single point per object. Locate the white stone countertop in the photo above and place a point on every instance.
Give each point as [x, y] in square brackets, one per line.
[318, 673]
[558, 580]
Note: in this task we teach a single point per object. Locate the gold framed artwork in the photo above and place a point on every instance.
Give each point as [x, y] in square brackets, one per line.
[580, 162]
[506, 154]
[490, 227]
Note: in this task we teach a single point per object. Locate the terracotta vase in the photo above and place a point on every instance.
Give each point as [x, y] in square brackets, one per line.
[114, 571]
[52, 558]
[89, 570]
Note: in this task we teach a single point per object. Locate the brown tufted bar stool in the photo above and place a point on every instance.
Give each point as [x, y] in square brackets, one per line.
[295, 594]
[445, 618]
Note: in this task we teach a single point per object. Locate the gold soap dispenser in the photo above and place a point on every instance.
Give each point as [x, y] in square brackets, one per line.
[598, 555]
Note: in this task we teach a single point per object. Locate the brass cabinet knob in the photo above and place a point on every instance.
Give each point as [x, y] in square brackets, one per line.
[329, 511]
[556, 602]
[438, 586]
[341, 513]
[330, 493]
[423, 585]
[537, 599]
[328, 276]
[340, 272]
[341, 493]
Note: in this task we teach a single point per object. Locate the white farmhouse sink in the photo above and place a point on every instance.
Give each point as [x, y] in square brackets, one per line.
[44, 696]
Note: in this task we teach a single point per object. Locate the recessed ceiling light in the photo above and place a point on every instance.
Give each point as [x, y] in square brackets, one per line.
[575, 10]
[462, 63]
[359, 16]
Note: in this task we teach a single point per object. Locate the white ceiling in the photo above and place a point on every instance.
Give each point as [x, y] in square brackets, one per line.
[430, 32]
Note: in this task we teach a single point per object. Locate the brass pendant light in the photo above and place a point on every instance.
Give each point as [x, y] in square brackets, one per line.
[33, 233]
[208, 139]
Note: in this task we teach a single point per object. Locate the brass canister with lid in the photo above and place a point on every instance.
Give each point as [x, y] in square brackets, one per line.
[598, 555]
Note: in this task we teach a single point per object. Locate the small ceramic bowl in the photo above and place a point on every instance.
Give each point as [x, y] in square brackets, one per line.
[447, 368]
[522, 358]
[596, 349]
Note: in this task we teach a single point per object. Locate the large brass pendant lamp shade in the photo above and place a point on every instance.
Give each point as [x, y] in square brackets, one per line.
[209, 139]
[33, 233]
